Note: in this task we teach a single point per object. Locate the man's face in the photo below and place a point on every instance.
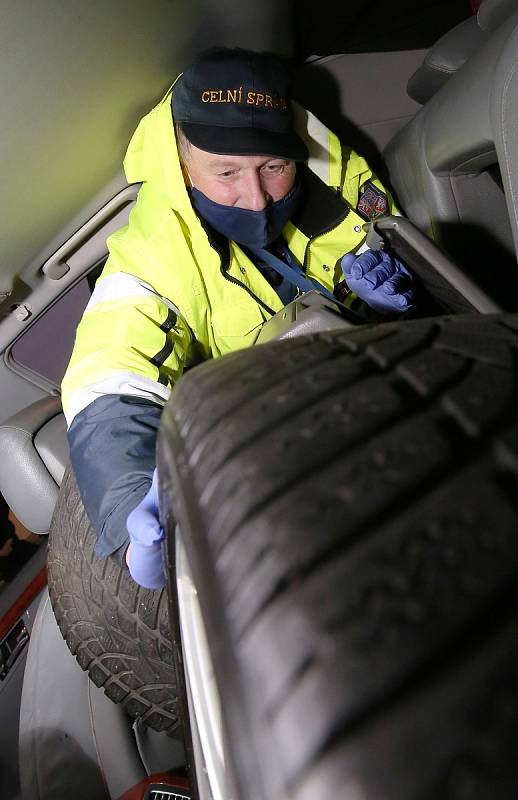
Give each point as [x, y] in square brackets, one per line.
[249, 182]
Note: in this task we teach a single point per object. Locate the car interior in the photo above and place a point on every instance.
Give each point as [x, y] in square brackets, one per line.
[438, 123]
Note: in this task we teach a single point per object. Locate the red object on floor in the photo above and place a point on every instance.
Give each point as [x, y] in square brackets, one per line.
[165, 779]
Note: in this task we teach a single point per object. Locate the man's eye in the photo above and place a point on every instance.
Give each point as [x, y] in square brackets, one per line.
[274, 168]
[227, 174]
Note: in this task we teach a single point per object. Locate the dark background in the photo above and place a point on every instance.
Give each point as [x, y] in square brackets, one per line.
[356, 26]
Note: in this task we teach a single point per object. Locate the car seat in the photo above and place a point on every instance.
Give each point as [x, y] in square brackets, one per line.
[34, 455]
[73, 740]
[453, 49]
[72, 737]
[454, 166]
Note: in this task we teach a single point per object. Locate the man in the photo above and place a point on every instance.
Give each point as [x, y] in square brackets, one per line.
[241, 206]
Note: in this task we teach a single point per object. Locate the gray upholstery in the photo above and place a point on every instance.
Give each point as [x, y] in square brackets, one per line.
[445, 58]
[504, 119]
[360, 96]
[442, 164]
[34, 453]
[493, 13]
[54, 751]
[453, 49]
[74, 742]
[52, 446]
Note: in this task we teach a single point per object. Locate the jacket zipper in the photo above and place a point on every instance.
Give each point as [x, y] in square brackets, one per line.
[216, 242]
[236, 282]
[304, 265]
[246, 288]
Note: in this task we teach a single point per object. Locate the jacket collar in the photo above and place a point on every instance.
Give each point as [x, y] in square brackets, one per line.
[321, 207]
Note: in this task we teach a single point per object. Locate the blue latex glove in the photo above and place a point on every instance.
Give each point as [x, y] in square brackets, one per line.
[380, 280]
[146, 557]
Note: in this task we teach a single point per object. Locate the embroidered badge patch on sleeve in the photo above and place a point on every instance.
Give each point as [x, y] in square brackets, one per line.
[372, 202]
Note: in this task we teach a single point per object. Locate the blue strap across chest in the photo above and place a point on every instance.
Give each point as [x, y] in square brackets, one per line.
[291, 271]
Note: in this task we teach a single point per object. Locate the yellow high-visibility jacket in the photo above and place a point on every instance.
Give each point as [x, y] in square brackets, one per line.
[171, 289]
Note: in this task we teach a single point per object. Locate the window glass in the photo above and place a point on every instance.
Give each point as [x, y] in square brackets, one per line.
[46, 346]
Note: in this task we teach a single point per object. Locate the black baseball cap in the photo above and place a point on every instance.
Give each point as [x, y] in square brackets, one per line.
[236, 102]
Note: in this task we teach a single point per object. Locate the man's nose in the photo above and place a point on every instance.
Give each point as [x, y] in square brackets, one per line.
[255, 196]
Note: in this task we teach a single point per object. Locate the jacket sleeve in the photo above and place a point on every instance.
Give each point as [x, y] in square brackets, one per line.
[131, 346]
[112, 452]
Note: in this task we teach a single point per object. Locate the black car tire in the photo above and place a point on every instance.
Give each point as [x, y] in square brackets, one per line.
[118, 631]
[348, 504]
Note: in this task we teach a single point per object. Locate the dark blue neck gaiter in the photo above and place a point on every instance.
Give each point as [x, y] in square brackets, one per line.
[249, 228]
